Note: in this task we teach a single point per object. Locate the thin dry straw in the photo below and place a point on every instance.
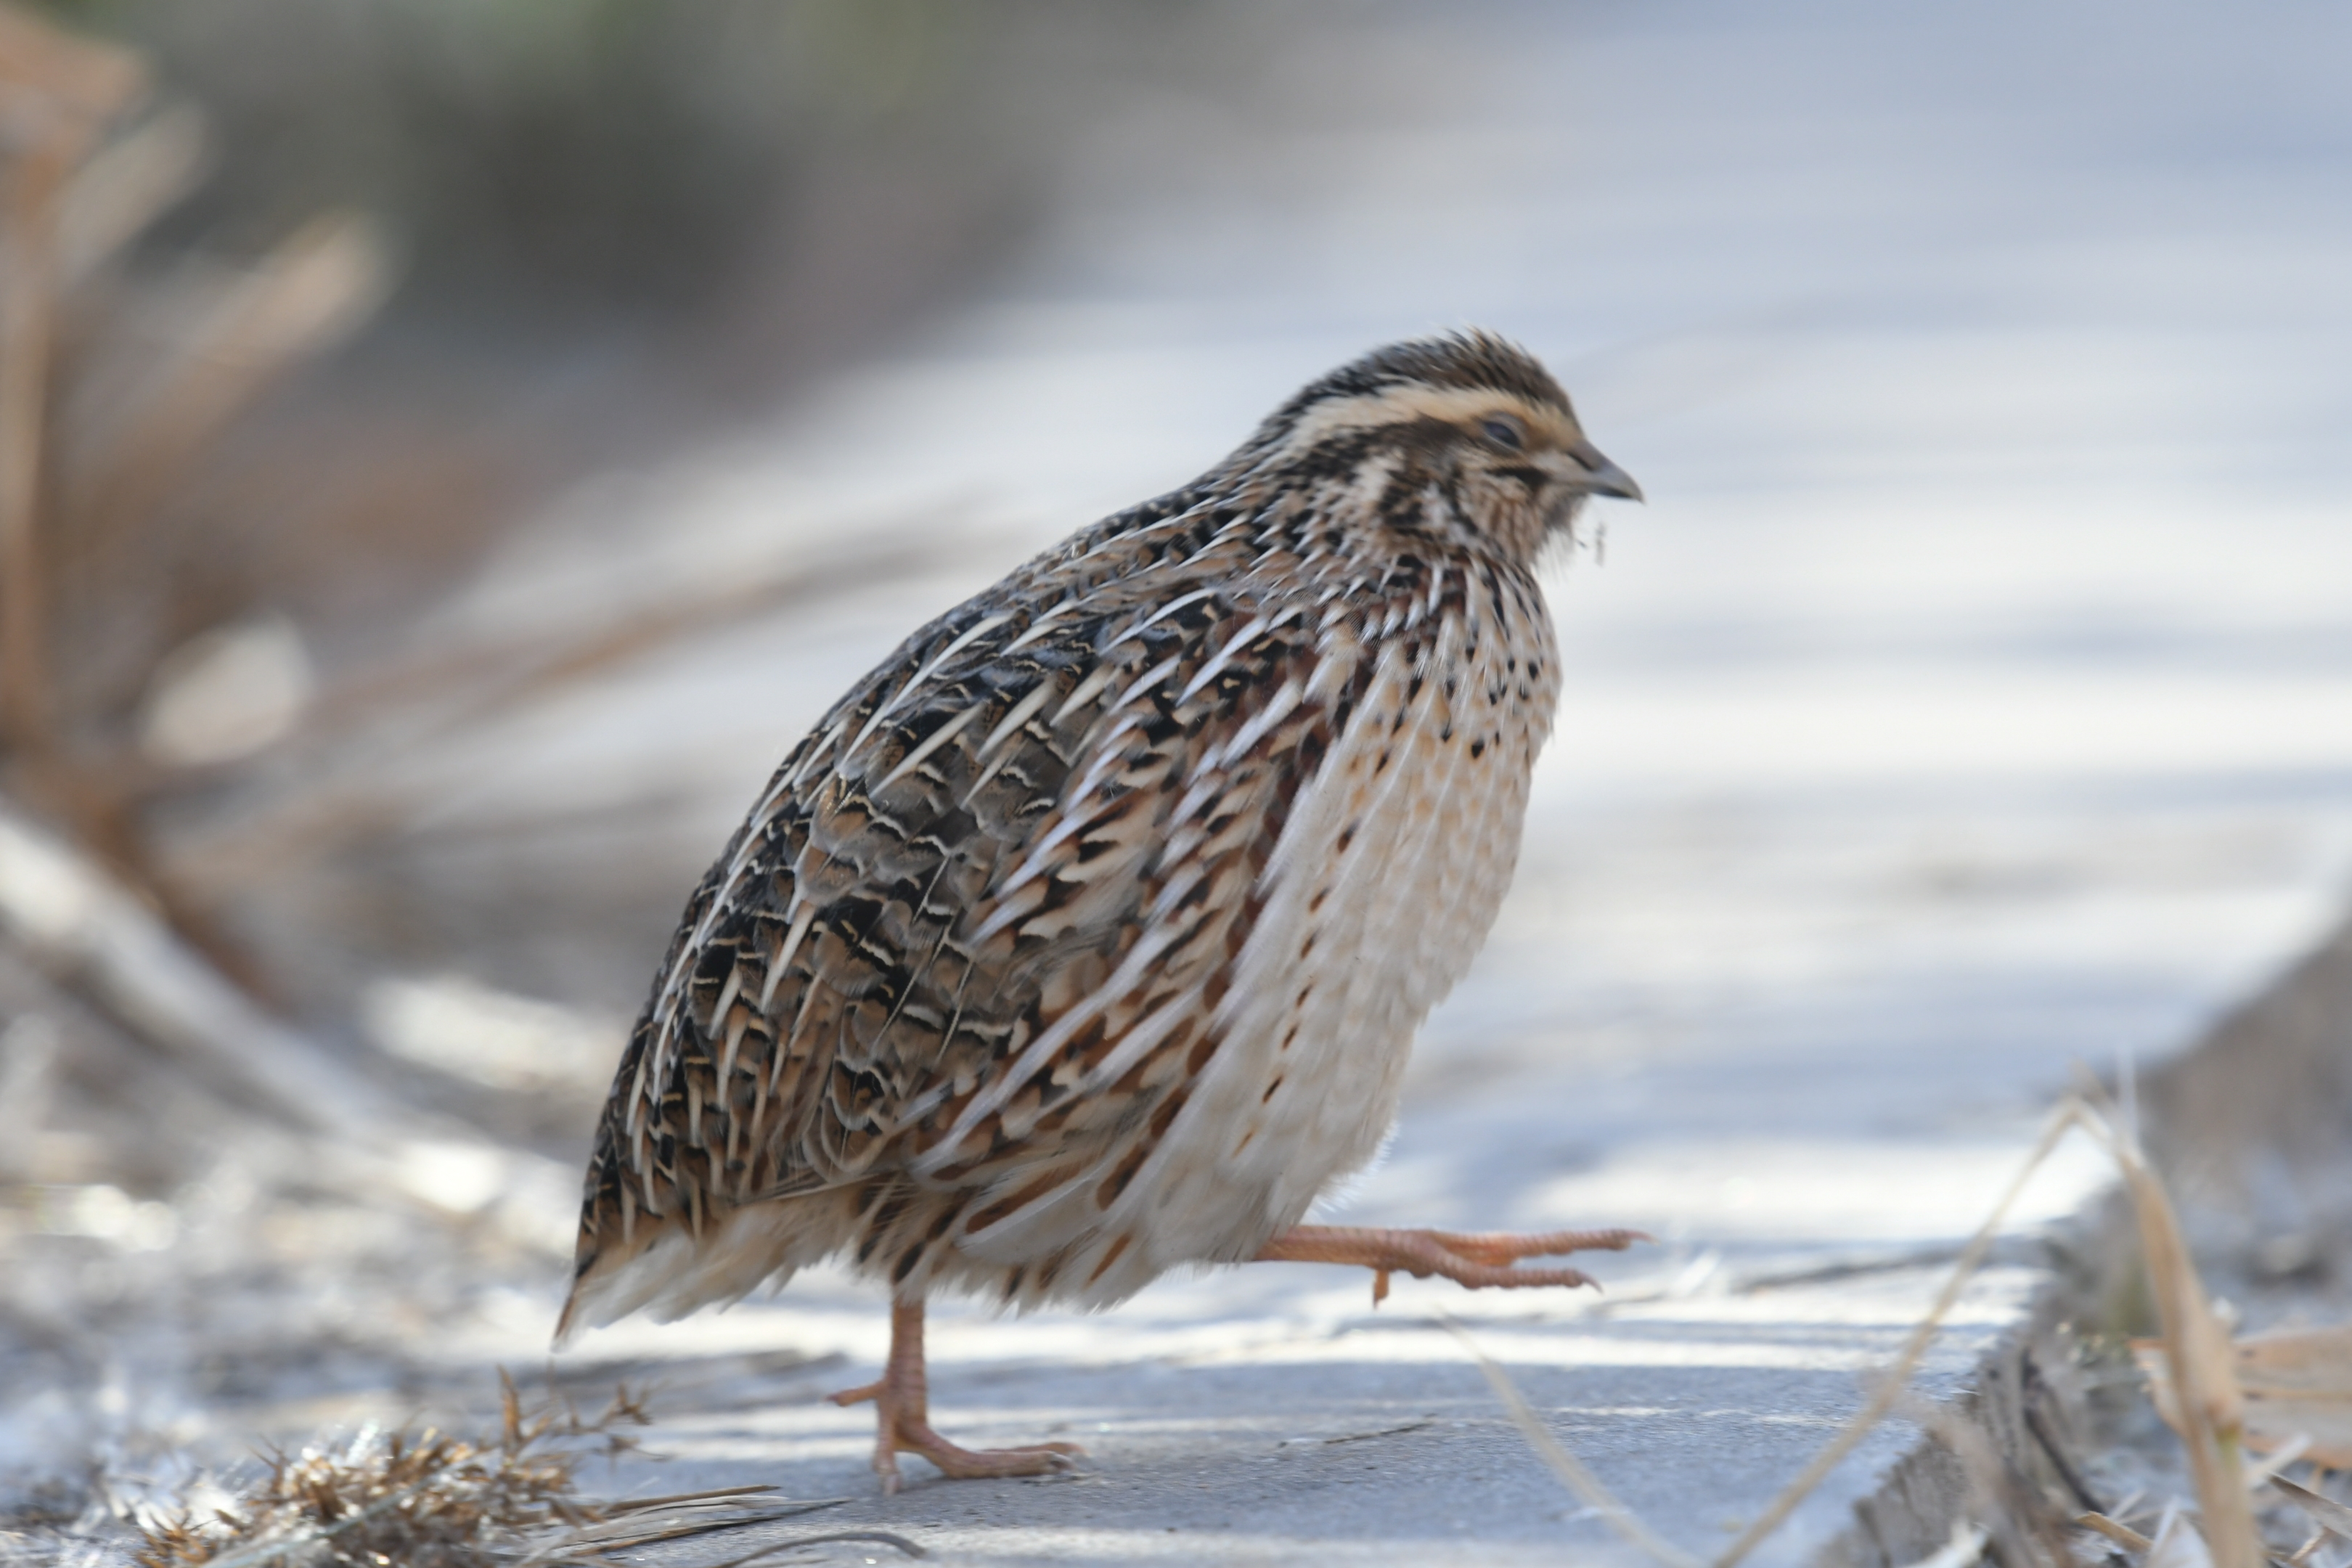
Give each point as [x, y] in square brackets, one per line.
[879, 1537]
[2196, 1352]
[1898, 1377]
[1890, 1388]
[2325, 1512]
[610, 1535]
[1567, 1466]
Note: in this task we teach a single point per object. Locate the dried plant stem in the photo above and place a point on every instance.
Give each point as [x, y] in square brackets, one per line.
[2326, 1511]
[2196, 1352]
[313, 288]
[1898, 1377]
[2123, 1535]
[477, 682]
[36, 177]
[56, 94]
[1567, 1466]
[878, 1537]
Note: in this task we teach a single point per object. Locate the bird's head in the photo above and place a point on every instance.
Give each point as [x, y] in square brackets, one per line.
[1464, 435]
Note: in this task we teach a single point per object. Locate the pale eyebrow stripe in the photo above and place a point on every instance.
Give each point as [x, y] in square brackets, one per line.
[1395, 404]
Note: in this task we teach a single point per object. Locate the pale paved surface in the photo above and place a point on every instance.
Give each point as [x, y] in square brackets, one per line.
[1364, 1431]
[1973, 697]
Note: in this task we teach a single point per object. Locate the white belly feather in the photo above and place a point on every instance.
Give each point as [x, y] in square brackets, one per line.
[1387, 878]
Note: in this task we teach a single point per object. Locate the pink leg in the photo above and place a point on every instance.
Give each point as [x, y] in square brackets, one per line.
[902, 1399]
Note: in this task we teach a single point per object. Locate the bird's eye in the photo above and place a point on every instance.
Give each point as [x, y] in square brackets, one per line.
[1505, 432]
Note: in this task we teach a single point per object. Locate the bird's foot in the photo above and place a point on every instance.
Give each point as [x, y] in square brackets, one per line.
[902, 1404]
[1475, 1259]
[906, 1430]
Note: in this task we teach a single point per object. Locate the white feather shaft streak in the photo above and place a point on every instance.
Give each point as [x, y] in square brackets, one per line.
[1023, 711]
[1278, 708]
[1148, 680]
[938, 738]
[1139, 1041]
[914, 682]
[1172, 606]
[1083, 692]
[1130, 976]
[1255, 629]
[784, 959]
[727, 995]
[1038, 627]
[735, 1028]
[818, 755]
[1027, 872]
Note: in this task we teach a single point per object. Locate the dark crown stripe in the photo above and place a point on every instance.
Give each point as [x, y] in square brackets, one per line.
[1468, 361]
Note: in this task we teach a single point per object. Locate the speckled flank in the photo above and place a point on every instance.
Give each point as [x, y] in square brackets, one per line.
[1087, 935]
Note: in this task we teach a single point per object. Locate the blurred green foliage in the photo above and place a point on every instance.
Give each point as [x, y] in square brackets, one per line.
[629, 154]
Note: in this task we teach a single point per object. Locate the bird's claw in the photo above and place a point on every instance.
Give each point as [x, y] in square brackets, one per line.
[957, 1463]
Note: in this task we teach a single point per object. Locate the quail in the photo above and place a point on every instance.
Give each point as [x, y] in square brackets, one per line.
[1086, 938]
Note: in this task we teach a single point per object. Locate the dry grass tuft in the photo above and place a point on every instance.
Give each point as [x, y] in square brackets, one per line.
[424, 1499]
[429, 1500]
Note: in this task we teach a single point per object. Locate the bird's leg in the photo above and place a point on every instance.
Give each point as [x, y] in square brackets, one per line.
[1476, 1260]
[902, 1401]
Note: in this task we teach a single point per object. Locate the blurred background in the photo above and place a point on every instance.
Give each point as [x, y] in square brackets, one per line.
[450, 448]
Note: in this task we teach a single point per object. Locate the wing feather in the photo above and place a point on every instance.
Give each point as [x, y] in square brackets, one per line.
[974, 934]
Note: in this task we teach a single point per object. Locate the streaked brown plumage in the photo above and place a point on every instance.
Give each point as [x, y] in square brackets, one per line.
[1086, 937]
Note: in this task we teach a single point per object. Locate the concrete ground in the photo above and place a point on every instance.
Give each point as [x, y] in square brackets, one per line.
[1302, 1427]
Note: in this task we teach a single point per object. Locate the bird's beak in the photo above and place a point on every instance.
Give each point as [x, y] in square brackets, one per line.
[1600, 476]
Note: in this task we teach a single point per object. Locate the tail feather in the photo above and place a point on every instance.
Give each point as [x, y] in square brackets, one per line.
[668, 1271]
